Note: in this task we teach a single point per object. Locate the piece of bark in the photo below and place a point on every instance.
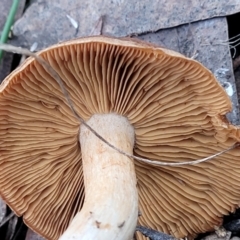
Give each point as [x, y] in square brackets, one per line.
[153, 234]
[46, 22]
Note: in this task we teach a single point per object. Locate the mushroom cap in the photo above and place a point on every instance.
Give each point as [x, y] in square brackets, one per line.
[178, 112]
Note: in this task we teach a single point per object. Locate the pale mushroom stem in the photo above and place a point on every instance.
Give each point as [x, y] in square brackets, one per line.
[110, 208]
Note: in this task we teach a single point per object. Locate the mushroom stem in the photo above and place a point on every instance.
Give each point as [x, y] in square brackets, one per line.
[110, 207]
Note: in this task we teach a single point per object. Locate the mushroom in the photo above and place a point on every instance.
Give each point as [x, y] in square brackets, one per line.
[145, 100]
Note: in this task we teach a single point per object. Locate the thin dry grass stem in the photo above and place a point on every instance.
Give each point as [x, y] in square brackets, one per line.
[53, 73]
[97, 30]
[231, 42]
[6, 219]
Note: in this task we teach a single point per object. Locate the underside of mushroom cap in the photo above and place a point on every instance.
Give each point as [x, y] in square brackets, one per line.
[177, 109]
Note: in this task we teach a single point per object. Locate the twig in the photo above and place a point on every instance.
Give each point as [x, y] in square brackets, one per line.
[55, 75]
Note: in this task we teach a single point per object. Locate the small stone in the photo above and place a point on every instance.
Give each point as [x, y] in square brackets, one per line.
[235, 238]
[214, 236]
[221, 232]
